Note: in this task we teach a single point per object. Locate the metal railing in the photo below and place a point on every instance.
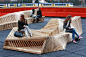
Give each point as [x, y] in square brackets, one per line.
[36, 5]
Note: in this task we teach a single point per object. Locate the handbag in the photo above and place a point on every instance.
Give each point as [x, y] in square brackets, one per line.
[18, 34]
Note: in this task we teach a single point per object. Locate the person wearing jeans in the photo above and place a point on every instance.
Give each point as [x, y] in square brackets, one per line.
[73, 33]
[68, 28]
[26, 30]
[39, 15]
[23, 26]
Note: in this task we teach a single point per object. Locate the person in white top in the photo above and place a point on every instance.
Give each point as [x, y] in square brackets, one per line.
[32, 15]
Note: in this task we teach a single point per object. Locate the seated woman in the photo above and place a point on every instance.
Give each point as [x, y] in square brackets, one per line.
[23, 26]
[39, 15]
[68, 28]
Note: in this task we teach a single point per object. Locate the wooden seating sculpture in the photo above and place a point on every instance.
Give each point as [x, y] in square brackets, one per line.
[48, 39]
[11, 20]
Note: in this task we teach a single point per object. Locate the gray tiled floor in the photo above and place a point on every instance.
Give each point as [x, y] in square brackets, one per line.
[72, 50]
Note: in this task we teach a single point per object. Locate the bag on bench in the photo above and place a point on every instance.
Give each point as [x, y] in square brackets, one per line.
[18, 34]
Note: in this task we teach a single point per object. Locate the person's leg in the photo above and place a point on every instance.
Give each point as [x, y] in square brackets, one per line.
[22, 30]
[38, 18]
[35, 17]
[77, 34]
[28, 30]
[73, 35]
[33, 20]
[26, 33]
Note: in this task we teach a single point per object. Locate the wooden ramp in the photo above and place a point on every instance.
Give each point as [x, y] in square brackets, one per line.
[48, 39]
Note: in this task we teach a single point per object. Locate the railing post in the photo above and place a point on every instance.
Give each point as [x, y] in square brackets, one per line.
[58, 2]
[53, 5]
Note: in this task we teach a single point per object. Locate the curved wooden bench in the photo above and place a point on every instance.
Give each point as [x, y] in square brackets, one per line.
[8, 22]
[48, 39]
[40, 42]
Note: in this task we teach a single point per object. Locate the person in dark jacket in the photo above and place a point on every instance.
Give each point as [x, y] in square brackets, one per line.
[39, 14]
[23, 26]
[67, 26]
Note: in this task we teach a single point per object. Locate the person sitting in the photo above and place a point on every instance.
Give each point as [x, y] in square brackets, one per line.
[39, 15]
[32, 15]
[23, 26]
[68, 28]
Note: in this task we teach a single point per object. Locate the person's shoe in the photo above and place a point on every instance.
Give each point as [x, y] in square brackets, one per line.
[80, 37]
[74, 42]
[30, 35]
[37, 20]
